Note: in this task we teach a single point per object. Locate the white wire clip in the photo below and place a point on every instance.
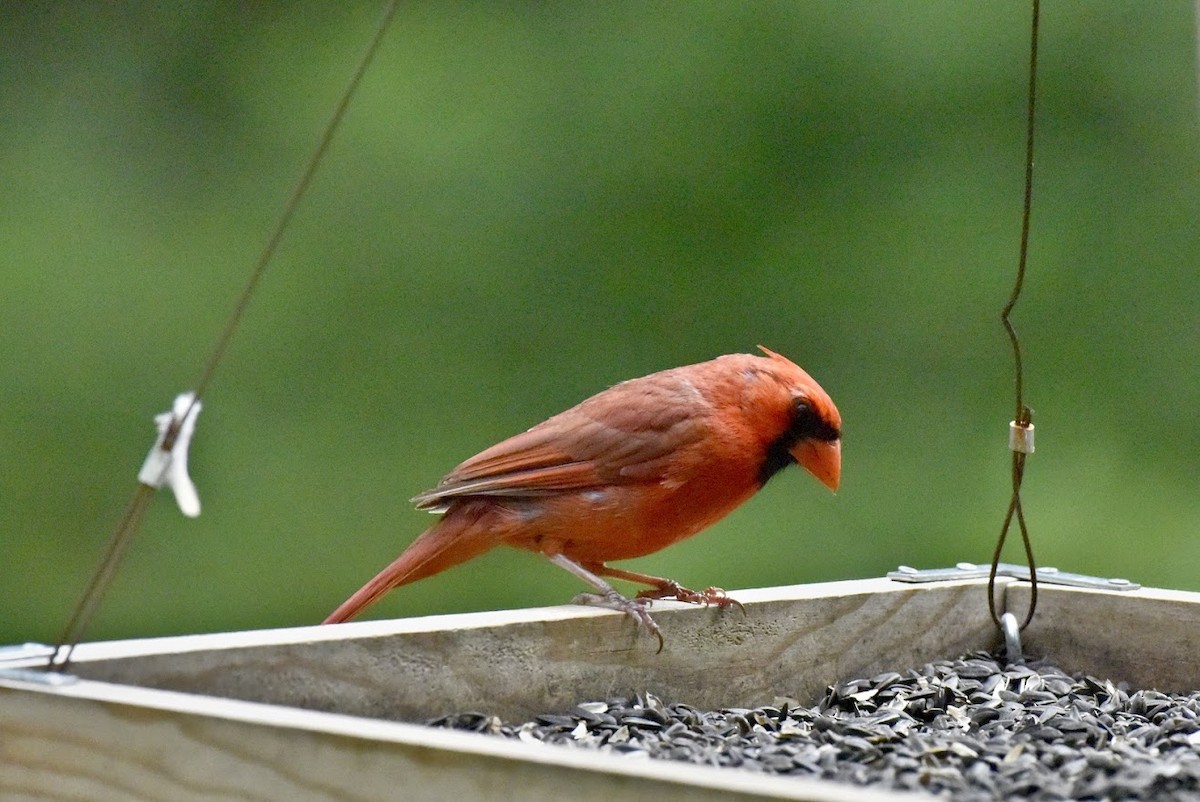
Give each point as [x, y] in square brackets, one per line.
[1020, 437]
[170, 466]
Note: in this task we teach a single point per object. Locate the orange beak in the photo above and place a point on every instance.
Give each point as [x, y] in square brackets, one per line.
[821, 458]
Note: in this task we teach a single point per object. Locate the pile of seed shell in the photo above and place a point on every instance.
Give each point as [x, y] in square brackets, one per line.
[971, 729]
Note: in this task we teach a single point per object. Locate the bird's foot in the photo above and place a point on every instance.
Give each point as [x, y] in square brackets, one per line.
[670, 589]
[637, 609]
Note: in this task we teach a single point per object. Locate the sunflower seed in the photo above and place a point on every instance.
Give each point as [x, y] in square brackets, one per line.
[973, 729]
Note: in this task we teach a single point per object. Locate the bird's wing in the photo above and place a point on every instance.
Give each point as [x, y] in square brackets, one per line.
[628, 433]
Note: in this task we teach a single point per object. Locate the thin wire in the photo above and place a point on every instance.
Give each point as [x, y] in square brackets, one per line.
[1023, 415]
[85, 610]
[268, 252]
[1196, 23]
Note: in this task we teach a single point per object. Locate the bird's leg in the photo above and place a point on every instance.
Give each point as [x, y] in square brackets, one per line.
[608, 597]
[669, 589]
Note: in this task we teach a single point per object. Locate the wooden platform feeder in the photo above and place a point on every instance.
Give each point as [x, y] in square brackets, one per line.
[330, 712]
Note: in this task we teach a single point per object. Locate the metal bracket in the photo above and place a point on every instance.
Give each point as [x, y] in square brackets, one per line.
[1048, 576]
[25, 652]
[1012, 638]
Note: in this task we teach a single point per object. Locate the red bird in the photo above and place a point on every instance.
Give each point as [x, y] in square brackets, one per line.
[629, 471]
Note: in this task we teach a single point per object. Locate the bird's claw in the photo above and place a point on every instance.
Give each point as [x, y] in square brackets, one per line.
[671, 589]
[637, 609]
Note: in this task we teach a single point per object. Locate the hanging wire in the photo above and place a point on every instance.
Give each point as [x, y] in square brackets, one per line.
[1196, 23]
[1021, 439]
[130, 523]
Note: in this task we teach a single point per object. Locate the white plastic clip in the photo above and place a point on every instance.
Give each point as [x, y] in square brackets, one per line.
[1020, 437]
[169, 466]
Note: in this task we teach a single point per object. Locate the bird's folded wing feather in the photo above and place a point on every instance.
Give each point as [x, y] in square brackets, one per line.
[629, 433]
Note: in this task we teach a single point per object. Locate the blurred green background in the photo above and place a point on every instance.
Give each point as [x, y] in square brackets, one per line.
[530, 202]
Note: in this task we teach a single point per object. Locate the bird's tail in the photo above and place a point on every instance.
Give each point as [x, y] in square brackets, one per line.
[452, 540]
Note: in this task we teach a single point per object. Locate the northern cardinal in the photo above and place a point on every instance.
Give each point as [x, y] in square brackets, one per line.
[629, 471]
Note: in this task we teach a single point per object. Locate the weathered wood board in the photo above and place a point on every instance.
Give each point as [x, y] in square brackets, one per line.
[791, 641]
[321, 712]
[93, 740]
[1149, 638]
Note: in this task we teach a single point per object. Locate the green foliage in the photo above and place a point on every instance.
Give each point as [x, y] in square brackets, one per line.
[529, 202]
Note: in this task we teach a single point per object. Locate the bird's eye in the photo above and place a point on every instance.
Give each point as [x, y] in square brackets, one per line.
[807, 422]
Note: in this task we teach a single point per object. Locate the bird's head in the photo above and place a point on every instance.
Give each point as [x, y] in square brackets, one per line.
[811, 427]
